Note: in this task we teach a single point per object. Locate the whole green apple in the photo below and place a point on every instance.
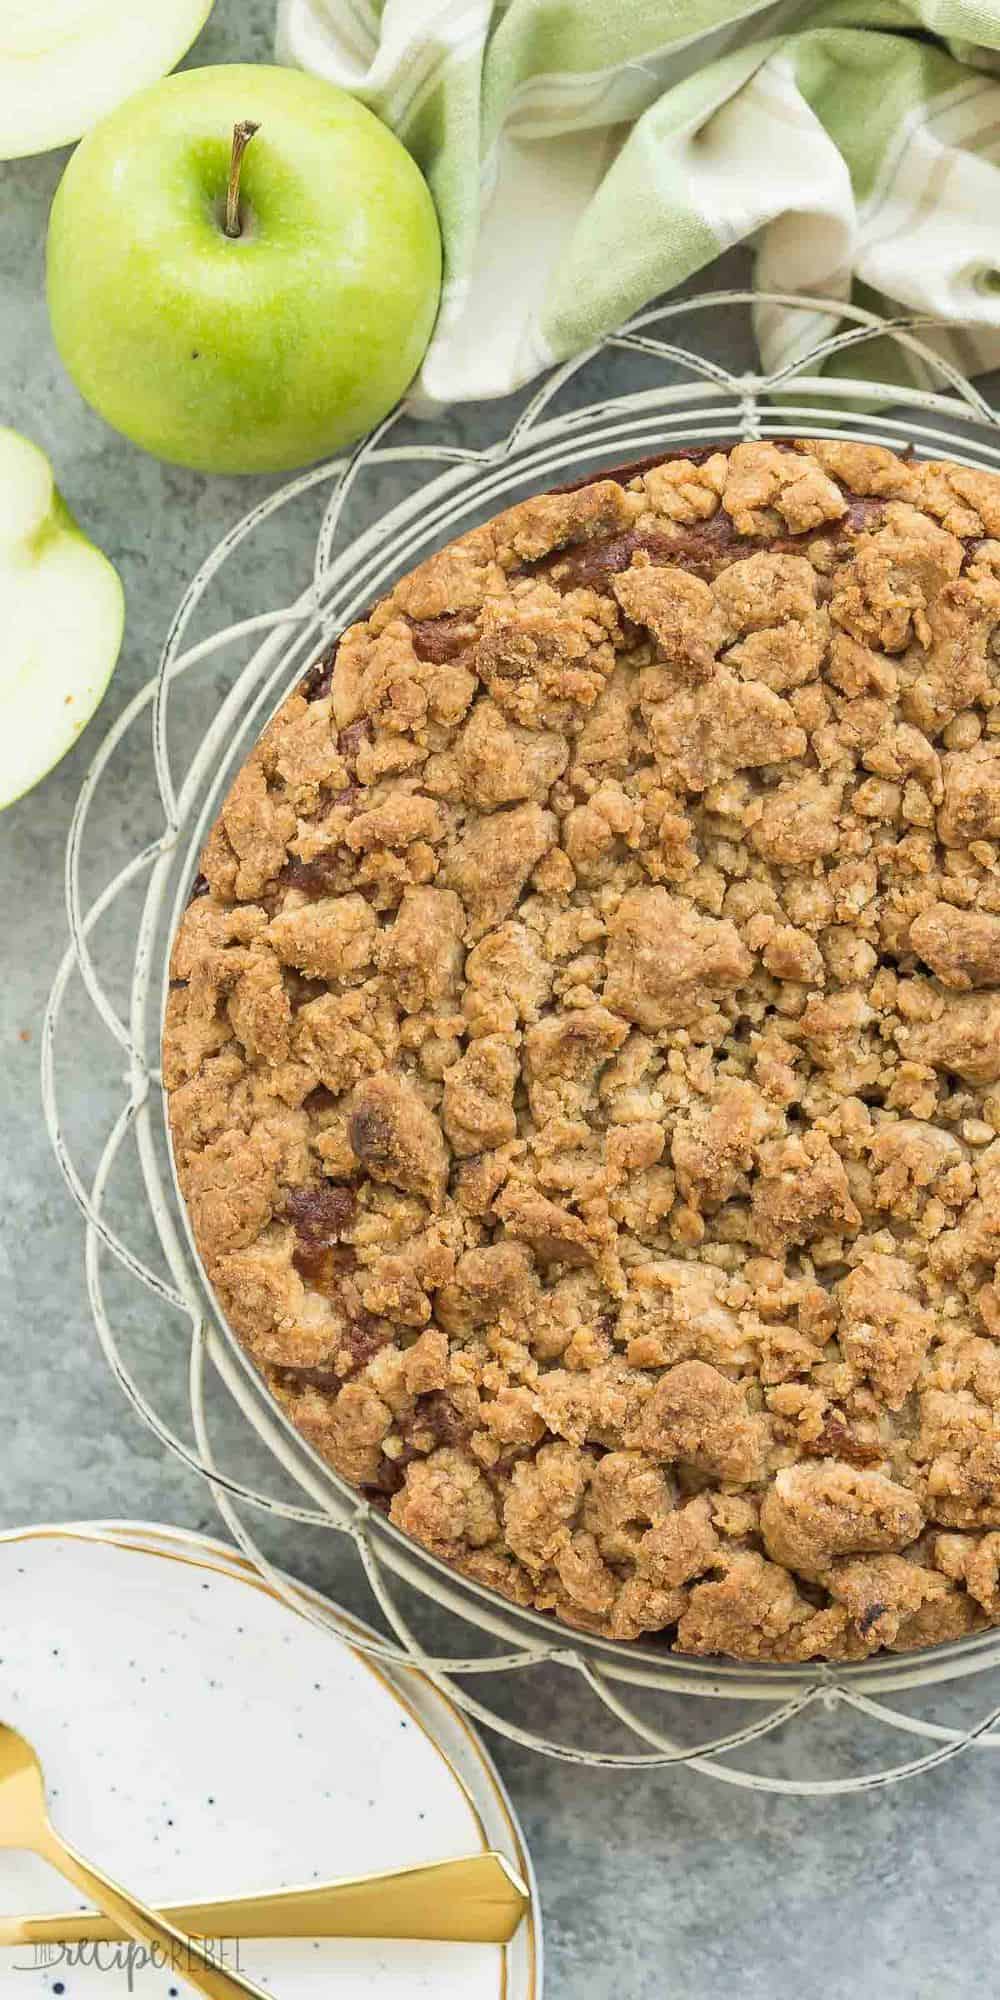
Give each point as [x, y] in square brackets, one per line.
[243, 268]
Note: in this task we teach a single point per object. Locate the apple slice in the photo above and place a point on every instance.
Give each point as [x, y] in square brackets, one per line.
[63, 616]
[64, 63]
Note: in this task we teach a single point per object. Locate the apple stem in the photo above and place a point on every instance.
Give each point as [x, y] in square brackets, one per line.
[242, 134]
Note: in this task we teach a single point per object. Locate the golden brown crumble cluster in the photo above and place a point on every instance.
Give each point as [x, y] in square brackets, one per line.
[584, 1053]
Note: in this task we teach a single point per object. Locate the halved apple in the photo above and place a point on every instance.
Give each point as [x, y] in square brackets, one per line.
[64, 63]
[63, 613]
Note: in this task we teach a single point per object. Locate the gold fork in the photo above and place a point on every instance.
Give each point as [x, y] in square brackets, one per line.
[478, 1900]
[25, 1823]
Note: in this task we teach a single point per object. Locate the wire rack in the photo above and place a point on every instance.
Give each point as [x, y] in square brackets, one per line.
[575, 422]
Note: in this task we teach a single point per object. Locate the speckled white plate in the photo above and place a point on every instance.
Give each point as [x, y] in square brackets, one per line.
[200, 1737]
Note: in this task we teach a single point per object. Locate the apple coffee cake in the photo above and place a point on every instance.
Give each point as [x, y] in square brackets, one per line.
[583, 1052]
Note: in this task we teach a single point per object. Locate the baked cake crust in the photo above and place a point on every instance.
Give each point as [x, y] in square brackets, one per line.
[584, 1053]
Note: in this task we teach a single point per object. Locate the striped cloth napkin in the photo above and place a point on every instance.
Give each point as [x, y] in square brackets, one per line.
[588, 155]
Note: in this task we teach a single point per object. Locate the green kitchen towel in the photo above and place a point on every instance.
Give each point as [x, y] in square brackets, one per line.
[588, 155]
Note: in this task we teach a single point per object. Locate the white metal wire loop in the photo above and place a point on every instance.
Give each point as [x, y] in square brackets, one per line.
[692, 399]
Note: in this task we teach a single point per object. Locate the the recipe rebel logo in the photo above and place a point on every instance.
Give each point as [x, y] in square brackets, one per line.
[129, 1960]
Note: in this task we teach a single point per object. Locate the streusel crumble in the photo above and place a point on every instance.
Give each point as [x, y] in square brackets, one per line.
[584, 1053]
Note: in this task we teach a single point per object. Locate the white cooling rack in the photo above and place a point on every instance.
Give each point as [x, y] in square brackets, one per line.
[574, 423]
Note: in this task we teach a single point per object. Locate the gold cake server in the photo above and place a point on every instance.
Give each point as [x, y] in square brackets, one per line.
[477, 1900]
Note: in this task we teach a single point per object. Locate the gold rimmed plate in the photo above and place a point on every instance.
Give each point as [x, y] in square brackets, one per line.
[203, 1737]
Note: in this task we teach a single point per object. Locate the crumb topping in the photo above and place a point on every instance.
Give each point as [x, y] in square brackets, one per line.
[583, 1053]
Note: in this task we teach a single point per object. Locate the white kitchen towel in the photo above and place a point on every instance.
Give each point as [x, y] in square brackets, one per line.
[587, 155]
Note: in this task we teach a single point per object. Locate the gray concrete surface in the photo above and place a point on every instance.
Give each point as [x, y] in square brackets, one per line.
[654, 1884]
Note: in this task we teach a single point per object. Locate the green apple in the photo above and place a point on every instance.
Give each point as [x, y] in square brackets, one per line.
[64, 63]
[63, 614]
[243, 268]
